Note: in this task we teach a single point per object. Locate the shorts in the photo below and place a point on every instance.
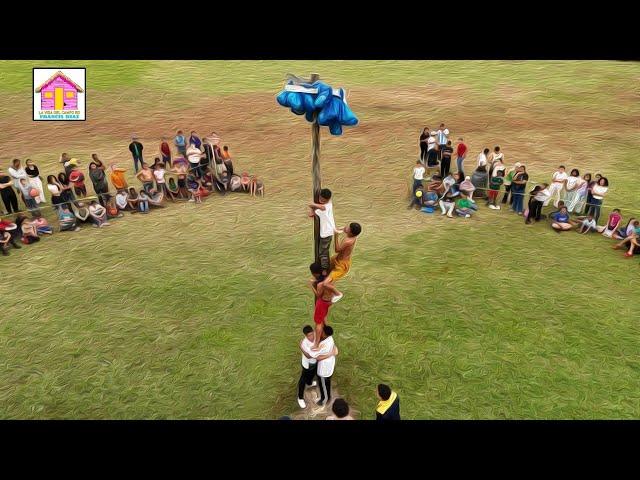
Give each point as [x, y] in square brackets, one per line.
[493, 194]
[321, 311]
[339, 268]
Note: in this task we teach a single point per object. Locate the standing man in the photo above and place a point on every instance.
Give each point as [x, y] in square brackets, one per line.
[388, 405]
[461, 152]
[442, 137]
[135, 147]
[181, 143]
[309, 364]
[445, 163]
[326, 357]
[559, 179]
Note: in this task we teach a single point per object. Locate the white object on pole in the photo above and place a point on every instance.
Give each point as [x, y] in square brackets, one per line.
[300, 89]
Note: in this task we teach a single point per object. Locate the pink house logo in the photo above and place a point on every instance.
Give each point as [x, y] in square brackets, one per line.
[59, 94]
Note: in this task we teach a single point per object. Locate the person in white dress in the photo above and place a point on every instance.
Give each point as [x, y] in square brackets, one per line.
[572, 186]
[558, 181]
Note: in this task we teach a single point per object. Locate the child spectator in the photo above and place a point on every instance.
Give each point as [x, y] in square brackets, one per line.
[67, 219]
[143, 201]
[494, 189]
[561, 221]
[26, 190]
[612, 224]
[41, 224]
[464, 206]
[588, 224]
[98, 214]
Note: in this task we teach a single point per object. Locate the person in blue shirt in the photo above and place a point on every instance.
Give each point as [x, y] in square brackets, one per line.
[561, 221]
[181, 143]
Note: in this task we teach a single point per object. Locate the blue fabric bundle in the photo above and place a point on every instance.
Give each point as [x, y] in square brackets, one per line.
[332, 111]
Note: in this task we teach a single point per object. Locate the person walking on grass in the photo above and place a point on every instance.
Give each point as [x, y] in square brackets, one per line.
[135, 147]
[388, 404]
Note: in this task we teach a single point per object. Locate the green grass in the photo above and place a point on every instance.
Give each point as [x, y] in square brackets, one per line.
[196, 311]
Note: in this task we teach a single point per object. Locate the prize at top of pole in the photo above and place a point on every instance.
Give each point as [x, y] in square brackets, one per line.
[306, 97]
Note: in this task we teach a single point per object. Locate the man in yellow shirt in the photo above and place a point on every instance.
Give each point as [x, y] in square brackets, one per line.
[117, 177]
[341, 261]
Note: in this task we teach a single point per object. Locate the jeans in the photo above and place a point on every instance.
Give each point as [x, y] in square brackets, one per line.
[143, 205]
[459, 162]
[594, 209]
[137, 159]
[518, 199]
[416, 184]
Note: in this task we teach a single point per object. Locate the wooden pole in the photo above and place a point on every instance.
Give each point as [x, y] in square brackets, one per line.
[316, 176]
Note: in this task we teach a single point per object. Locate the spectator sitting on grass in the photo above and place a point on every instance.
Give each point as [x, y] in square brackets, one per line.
[587, 224]
[465, 206]
[98, 214]
[561, 221]
[614, 221]
[41, 224]
[27, 229]
[631, 240]
[67, 219]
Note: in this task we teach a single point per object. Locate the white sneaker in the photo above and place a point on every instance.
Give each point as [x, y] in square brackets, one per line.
[467, 216]
[443, 213]
[314, 384]
[302, 403]
[336, 298]
[498, 207]
[191, 200]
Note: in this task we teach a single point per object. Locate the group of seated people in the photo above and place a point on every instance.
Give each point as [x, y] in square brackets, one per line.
[453, 194]
[160, 181]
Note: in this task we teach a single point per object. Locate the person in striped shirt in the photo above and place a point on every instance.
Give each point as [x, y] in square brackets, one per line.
[441, 137]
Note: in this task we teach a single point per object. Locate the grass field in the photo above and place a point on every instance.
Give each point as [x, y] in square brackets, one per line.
[195, 311]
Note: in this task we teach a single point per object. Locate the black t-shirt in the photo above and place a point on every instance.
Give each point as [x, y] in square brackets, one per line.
[5, 179]
[423, 138]
[32, 171]
[447, 150]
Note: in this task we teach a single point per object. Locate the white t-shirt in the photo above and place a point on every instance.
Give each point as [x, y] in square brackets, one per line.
[589, 223]
[327, 223]
[497, 168]
[431, 142]
[482, 159]
[418, 173]
[326, 366]
[598, 192]
[306, 346]
[572, 182]
[560, 176]
[159, 174]
[194, 155]
[121, 200]
[543, 195]
[53, 189]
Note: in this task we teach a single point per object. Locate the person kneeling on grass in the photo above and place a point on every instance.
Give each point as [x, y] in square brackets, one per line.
[465, 206]
[341, 261]
[561, 221]
[587, 224]
[67, 219]
[98, 214]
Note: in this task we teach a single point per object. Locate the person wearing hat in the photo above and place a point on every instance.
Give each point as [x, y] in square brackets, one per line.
[507, 184]
[135, 147]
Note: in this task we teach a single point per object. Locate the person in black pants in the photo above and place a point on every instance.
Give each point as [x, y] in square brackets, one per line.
[8, 194]
[135, 147]
[445, 162]
[537, 197]
[423, 145]
[309, 364]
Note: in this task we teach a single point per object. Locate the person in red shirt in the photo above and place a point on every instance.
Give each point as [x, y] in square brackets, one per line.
[461, 153]
[166, 152]
[323, 300]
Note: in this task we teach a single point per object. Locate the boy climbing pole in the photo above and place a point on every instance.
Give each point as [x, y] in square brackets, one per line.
[323, 300]
[341, 261]
[324, 211]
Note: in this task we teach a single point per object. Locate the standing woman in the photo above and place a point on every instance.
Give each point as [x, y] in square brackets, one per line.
[17, 173]
[8, 193]
[508, 178]
[99, 179]
[165, 151]
[518, 187]
[423, 145]
[66, 189]
[572, 186]
[597, 196]
[582, 191]
[35, 180]
[589, 194]
[55, 189]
